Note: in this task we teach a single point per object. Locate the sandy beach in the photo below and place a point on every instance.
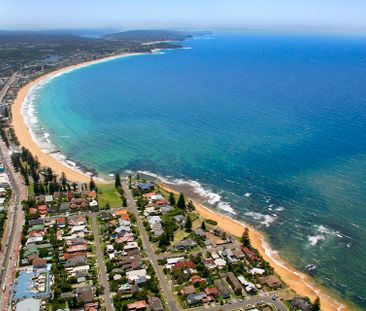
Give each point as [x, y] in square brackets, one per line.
[296, 280]
[24, 136]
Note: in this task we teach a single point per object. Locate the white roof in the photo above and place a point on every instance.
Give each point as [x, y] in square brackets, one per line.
[131, 245]
[135, 274]
[81, 268]
[93, 203]
[257, 271]
[220, 262]
[214, 255]
[48, 198]
[29, 304]
[157, 197]
[153, 219]
[35, 239]
[78, 228]
[4, 180]
[172, 261]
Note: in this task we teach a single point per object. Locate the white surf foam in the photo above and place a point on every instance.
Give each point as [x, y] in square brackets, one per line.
[205, 193]
[263, 219]
[322, 233]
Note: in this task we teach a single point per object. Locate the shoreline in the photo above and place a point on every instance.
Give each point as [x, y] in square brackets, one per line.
[24, 132]
[297, 281]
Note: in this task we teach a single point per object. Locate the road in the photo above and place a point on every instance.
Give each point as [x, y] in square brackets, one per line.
[103, 277]
[6, 86]
[12, 236]
[163, 281]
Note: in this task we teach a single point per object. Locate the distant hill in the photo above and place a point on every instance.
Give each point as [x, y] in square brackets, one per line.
[155, 35]
[149, 35]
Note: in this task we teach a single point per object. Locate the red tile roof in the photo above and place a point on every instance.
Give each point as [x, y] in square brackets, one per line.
[77, 248]
[250, 254]
[212, 291]
[137, 305]
[183, 265]
[196, 279]
[72, 255]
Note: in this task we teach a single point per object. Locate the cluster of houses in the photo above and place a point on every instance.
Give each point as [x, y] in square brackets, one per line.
[157, 205]
[212, 278]
[127, 266]
[34, 279]
[155, 209]
[70, 238]
[64, 203]
[78, 260]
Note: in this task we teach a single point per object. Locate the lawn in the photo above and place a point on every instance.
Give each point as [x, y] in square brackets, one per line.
[30, 190]
[109, 194]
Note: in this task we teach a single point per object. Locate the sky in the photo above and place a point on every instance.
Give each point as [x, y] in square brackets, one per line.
[307, 15]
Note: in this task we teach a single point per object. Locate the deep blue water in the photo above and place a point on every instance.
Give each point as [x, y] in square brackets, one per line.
[279, 117]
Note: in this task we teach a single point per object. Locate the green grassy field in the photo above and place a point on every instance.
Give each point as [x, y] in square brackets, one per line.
[109, 194]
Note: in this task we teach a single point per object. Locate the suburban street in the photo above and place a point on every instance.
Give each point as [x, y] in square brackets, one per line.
[164, 284]
[103, 277]
[6, 86]
[12, 234]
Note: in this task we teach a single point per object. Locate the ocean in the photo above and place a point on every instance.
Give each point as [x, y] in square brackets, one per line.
[266, 128]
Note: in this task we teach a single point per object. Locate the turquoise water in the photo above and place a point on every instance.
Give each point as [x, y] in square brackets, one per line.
[271, 126]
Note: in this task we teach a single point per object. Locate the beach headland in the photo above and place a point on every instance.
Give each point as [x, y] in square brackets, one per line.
[296, 280]
[24, 135]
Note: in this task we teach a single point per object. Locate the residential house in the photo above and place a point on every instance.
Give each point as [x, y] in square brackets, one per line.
[234, 283]
[137, 305]
[155, 304]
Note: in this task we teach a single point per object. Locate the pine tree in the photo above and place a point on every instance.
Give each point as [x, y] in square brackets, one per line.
[26, 180]
[49, 175]
[188, 225]
[63, 181]
[245, 240]
[92, 184]
[171, 199]
[316, 305]
[117, 182]
[36, 188]
[181, 201]
[203, 226]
